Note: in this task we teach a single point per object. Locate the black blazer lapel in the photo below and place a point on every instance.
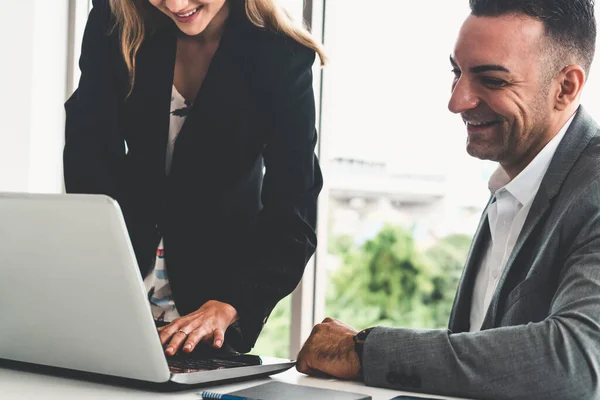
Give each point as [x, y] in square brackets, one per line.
[151, 96]
[217, 113]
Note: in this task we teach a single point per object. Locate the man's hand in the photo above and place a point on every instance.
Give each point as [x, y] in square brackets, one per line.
[330, 350]
[208, 324]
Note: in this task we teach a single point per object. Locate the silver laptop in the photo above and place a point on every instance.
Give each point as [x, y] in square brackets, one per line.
[71, 296]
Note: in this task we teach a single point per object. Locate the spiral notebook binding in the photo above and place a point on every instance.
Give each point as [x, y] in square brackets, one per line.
[206, 395]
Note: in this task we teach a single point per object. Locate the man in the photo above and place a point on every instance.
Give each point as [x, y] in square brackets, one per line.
[526, 319]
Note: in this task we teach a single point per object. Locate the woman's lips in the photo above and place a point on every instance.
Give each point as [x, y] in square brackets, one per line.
[188, 16]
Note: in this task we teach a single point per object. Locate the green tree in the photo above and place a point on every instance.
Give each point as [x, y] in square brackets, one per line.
[274, 340]
[384, 281]
[341, 244]
[448, 256]
[387, 281]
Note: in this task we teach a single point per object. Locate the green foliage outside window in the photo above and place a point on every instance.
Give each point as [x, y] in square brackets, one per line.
[386, 281]
[274, 340]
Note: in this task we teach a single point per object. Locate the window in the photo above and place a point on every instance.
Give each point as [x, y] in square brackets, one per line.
[404, 196]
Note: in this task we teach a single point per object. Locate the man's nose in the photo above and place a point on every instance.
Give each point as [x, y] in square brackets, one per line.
[463, 97]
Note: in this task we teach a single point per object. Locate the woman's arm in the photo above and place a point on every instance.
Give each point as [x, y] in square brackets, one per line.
[94, 147]
[285, 235]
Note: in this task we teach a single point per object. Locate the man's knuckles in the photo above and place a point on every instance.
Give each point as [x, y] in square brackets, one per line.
[320, 328]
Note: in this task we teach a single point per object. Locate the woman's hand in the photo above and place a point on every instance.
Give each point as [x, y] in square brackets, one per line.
[208, 324]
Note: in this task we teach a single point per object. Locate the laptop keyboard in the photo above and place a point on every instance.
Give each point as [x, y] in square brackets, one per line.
[206, 358]
[187, 364]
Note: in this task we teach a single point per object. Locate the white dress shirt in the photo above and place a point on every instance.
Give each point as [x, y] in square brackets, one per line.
[506, 216]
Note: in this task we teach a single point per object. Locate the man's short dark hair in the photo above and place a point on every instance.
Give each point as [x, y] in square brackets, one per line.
[569, 24]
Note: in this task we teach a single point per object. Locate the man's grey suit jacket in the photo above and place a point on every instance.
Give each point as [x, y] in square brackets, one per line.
[540, 338]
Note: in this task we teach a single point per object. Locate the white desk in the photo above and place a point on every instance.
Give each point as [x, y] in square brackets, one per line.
[20, 385]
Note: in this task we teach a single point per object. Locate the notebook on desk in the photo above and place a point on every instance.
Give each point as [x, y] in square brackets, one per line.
[281, 390]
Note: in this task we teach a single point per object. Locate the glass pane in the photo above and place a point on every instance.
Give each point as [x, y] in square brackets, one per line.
[274, 340]
[405, 198]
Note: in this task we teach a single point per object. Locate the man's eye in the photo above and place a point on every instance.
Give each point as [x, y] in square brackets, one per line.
[493, 82]
[456, 72]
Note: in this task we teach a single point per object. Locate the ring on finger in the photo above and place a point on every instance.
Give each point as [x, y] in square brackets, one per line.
[182, 331]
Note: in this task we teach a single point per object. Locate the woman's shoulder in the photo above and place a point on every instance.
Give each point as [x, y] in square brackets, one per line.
[101, 22]
[280, 46]
[274, 61]
[101, 3]
[272, 51]
[265, 44]
[103, 11]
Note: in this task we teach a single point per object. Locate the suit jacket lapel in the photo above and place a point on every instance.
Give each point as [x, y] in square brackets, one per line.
[461, 309]
[217, 106]
[572, 145]
[151, 94]
[222, 88]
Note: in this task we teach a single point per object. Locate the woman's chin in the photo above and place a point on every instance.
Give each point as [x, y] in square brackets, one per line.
[191, 30]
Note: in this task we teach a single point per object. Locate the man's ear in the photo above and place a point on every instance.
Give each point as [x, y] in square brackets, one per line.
[571, 81]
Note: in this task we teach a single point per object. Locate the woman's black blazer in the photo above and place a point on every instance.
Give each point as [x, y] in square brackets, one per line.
[238, 209]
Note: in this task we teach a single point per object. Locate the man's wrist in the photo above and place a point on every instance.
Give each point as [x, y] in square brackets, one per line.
[359, 344]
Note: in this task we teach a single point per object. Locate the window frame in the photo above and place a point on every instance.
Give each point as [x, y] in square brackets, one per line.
[308, 300]
[78, 14]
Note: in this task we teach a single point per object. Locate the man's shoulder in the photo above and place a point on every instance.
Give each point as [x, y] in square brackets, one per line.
[592, 150]
[587, 167]
[582, 183]
[576, 163]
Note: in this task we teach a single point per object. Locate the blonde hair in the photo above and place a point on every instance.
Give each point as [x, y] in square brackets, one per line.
[267, 14]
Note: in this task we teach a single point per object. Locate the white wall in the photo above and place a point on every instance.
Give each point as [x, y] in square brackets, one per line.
[33, 82]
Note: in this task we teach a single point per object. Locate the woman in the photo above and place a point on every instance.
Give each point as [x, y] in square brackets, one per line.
[226, 201]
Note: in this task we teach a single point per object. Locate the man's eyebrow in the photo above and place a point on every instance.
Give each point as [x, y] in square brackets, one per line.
[488, 67]
[482, 68]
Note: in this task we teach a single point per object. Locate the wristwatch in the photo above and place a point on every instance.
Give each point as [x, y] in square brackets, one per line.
[359, 344]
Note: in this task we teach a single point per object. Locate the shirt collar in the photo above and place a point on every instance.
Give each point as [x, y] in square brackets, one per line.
[525, 185]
